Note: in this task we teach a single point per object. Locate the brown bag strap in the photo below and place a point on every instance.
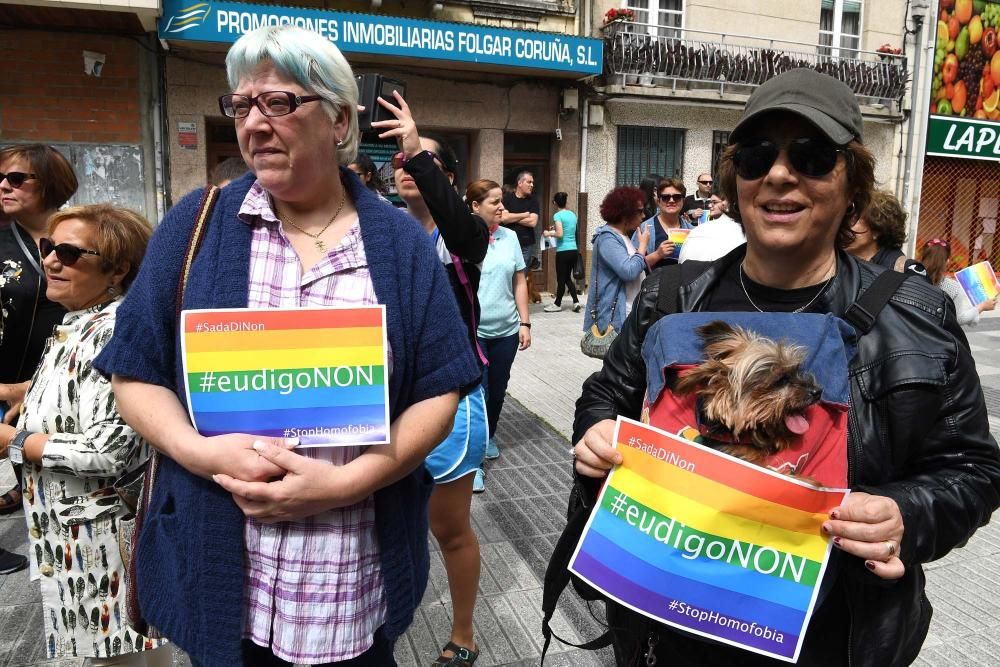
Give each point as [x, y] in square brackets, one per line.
[194, 243]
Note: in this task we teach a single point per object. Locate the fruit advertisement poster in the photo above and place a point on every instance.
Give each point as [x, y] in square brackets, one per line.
[965, 92]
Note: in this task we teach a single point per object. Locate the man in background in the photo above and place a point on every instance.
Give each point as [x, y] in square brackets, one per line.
[521, 214]
[699, 202]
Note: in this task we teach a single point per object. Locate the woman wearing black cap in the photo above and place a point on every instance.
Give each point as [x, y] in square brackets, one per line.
[923, 468]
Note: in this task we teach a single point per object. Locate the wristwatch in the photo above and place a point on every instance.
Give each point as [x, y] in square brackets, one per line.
[15, 450]
[526, 325]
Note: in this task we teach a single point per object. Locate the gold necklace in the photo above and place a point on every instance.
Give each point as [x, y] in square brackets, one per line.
[316, 237]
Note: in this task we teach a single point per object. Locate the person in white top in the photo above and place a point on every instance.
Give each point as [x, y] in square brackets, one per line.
[935, 257]
[715, 238]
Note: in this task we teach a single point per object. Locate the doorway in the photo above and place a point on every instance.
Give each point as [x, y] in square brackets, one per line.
[530, 152]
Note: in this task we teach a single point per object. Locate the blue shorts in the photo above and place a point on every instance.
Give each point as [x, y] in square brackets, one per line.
[462, 451]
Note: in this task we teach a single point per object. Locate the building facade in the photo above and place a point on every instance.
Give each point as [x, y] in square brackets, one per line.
[676, 77]
[491, 77]
[84, 78]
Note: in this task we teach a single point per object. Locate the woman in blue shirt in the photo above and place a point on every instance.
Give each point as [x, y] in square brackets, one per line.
[505, 326]
[566, 252]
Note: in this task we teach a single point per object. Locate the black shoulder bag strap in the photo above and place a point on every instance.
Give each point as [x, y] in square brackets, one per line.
[862, 313]
[24, 248]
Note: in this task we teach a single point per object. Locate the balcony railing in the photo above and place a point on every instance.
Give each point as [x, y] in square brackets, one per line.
[665, 56]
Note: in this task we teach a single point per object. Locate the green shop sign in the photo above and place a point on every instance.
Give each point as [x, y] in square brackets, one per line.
[963, 138]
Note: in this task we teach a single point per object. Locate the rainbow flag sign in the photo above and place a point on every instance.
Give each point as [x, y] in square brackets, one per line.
[701, 541]
[319, 374]
[677, 237]
[979, 282]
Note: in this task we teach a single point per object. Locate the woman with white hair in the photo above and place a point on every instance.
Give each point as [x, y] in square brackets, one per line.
[331, 559]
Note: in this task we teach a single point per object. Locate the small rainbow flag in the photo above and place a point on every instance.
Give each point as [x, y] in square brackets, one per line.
[319, 374]
[704, 542]
[677, 237]
[979, 282]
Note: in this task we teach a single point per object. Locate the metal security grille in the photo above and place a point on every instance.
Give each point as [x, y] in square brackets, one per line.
[960, 203]
[648, 150]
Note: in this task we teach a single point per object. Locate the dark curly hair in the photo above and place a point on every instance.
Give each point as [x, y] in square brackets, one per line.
[620, 203]
[860, 185]
[886, 219]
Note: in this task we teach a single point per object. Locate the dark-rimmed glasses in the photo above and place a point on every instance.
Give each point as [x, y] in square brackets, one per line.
[665, 198]
[16, 178]
[271, 103]
[399, 159]
[708, 182]
[67, 253]
[810, 156]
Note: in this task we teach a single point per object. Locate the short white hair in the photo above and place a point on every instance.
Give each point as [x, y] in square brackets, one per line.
[311, 61]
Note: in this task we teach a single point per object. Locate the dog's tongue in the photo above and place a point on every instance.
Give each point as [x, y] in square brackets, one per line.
[797, 424]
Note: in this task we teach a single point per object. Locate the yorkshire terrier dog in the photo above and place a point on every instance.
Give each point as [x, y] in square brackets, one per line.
[752, 392]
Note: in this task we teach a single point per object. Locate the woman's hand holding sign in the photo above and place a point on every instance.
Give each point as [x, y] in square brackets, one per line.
[869, 527]
[595, 454]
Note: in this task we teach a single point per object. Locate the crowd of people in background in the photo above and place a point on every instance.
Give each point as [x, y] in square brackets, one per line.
[304, 219]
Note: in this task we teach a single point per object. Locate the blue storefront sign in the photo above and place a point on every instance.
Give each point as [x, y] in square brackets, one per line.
[226, 22]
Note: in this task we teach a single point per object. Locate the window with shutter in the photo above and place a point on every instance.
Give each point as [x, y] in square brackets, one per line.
[648, 150]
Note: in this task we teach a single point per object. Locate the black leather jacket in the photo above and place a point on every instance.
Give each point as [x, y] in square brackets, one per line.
[917, 433]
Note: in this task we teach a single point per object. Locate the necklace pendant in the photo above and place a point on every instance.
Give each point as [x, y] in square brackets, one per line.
[320, 245]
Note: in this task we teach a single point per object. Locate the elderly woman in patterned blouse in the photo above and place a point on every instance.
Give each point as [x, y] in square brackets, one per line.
[74, 443]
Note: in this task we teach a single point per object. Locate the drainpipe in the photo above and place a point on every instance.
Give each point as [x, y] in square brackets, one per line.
[914, 109]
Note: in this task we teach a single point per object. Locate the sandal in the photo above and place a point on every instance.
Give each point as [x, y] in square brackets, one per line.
[464, 657]
[10, 502]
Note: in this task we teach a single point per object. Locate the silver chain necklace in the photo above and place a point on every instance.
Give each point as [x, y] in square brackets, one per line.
[797, 310]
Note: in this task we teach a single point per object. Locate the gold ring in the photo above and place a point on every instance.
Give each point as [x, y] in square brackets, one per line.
[892, 548]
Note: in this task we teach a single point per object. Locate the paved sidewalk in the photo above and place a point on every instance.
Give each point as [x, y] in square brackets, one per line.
[520, 516]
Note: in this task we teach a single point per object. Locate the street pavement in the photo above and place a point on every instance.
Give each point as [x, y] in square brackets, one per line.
[520, 516]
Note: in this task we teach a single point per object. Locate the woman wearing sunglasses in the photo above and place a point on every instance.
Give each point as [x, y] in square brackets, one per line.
[73, 443]
[670, 199]
[424, 173]
[35, 180]
[253, 553]
[923, 468]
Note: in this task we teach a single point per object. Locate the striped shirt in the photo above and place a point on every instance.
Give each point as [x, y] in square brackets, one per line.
[313, 588]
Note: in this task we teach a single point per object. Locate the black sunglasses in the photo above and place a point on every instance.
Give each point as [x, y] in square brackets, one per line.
[809, 156]
[706, 182]
[272, 103]
[669, 198]
[66, 253]
[16, 178]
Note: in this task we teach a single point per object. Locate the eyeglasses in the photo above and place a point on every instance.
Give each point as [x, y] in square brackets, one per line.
[16, 178]
[706, 182]
[670, 198]
[399, 159]
[809, 156]
[67, 253]
[271, 103]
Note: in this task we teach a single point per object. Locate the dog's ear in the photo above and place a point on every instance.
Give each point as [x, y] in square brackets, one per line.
[721, 339]
[715, 331]
[700, 378]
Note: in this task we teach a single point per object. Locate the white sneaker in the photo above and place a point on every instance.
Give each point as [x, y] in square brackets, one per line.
[552, 308]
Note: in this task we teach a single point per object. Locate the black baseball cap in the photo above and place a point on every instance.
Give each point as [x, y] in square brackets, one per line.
[825, 102]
